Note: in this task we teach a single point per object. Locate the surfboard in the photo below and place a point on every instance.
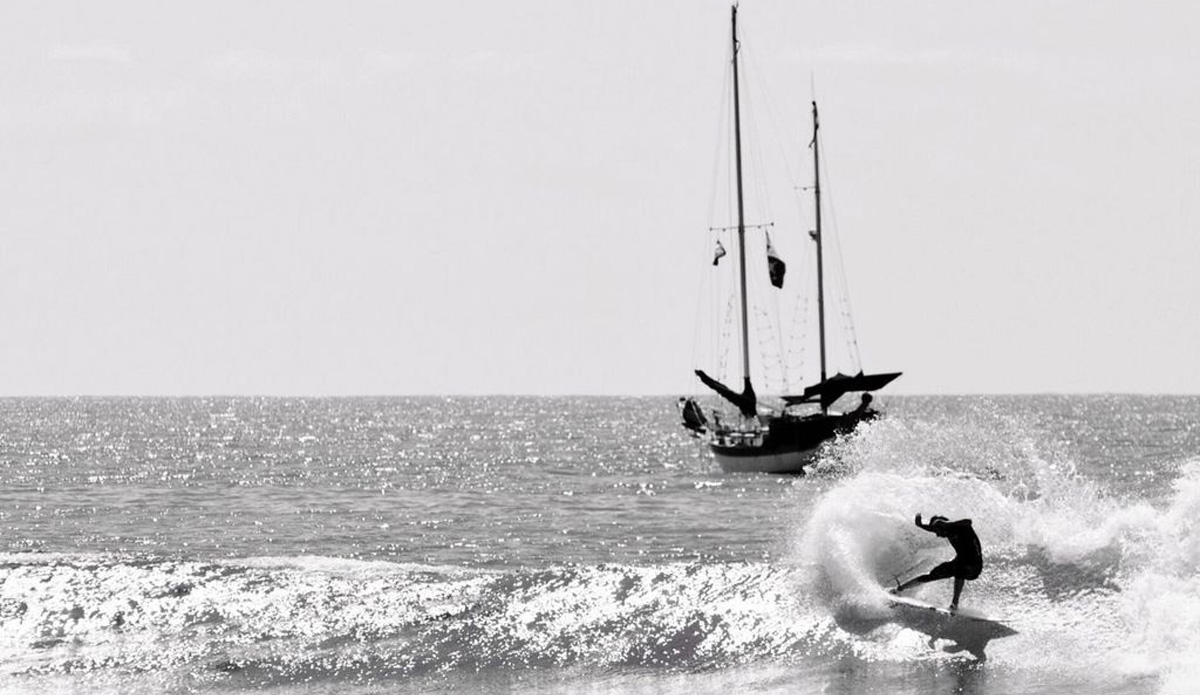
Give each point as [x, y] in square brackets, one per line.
[911, 607]
[965, 613]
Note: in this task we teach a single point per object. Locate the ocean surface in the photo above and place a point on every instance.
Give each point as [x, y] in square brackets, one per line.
[584, 545]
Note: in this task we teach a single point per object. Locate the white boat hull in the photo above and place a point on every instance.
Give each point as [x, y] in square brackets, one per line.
[784, 445]
[765, 462]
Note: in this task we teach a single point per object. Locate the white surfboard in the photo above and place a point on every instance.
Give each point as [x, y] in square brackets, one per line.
[911, 607]
[964, 613]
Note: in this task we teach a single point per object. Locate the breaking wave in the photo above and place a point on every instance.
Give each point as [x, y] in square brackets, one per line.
[273, 621]
[1099, 587]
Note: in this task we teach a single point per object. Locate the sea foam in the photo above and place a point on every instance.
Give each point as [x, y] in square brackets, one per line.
[1095, 584]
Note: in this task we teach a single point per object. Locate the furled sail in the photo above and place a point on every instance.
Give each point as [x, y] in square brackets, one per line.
[839, 385]
[745, 401]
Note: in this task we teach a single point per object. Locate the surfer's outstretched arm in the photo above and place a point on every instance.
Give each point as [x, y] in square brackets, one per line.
[932, 525]
[943, 526]
[939, 522]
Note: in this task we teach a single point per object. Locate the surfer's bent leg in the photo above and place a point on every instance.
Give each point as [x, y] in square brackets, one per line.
[964, 573]
[942, 571]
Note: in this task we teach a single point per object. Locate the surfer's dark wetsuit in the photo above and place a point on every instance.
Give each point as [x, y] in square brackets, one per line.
[968, 559]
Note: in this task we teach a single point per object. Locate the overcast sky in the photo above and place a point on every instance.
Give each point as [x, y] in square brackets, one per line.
[513, 197]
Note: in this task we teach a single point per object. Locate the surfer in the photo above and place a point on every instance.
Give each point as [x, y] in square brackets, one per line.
[968, 558]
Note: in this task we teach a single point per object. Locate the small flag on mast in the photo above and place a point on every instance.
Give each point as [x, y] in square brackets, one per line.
[775, 265]
[720, 251]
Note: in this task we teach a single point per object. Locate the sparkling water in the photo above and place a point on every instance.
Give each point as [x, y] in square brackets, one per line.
[413, 545]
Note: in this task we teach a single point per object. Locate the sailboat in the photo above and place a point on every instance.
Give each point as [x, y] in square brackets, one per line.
[777, 439]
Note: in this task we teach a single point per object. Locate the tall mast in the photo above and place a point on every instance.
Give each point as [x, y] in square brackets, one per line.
[741, 226]
[816, 235]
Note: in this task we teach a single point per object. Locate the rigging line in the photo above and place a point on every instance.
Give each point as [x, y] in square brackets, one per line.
[761, 194]
[726, 345]
[805, 309]
[722, 315]
[709, 282]
[782, 351]
[770, 338]
[804, 330]
[705, 302]
[751, 140]
[725, 317]
[778, 336]
[795, 337]
[767, 349]
[721, 144]
[760, 291]
[782, 143]
[767, 339]
[798, 326]
[759, 152]
[844, 294]
[709, 315]
[784, 373]
[719, 306]
[750, 159]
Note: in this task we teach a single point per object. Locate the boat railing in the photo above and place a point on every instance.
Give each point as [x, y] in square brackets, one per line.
[746, 433]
